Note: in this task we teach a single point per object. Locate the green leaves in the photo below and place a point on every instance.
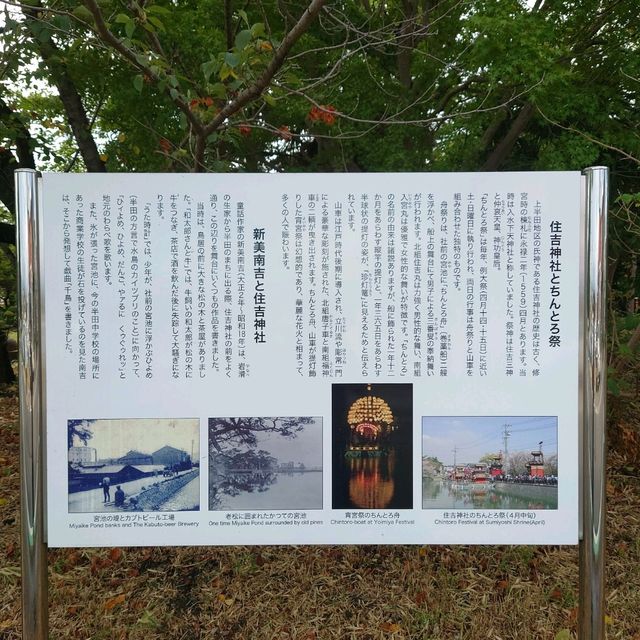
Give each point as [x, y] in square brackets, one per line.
[243, 16]
[243, 39]
[81, 12]
[41, 30]
[226, 72]
[156, 22]
[249, 53]
[257, 30]
[629, 199]
[232, 59]
[218, 90]
[209, 68]
[149, 20]
[128, 22]
[613, 382]
[516, 54]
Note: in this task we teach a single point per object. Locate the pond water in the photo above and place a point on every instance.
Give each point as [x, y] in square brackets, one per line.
[438, 494]
[382, 482]
[277, 491]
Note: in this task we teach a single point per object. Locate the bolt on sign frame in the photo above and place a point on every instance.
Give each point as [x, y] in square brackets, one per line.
[29, 198]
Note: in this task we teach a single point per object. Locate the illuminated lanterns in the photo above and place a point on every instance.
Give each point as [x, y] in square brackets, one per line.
[370, 421]
[368, 430]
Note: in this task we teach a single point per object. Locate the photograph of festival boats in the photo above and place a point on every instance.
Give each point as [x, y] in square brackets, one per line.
[372, 446]
[490, 462]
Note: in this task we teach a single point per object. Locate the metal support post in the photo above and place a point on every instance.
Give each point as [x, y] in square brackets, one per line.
[591, 623]
[34, 551]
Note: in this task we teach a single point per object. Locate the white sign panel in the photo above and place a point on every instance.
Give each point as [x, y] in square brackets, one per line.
[275, 359]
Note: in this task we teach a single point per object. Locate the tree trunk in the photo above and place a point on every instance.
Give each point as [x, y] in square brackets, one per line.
[505, 146]
[8, 164]
[70, 98]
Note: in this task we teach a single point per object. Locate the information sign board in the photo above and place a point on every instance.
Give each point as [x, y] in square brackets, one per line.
[326, 358]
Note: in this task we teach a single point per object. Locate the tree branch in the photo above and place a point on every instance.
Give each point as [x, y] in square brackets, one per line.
[586, 136]
[110, 38]
[279, 57]
[94, 117]
[452, 92]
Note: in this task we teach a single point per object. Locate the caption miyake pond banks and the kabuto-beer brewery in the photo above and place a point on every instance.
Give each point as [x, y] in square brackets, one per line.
[312, 359]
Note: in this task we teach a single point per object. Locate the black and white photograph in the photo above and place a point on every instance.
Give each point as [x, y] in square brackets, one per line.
[265, 463]
[133, 465]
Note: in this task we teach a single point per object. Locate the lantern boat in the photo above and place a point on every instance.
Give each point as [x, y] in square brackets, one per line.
[371, 423]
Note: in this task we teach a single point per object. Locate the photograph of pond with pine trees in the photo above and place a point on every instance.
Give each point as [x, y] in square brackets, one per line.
[265, 463]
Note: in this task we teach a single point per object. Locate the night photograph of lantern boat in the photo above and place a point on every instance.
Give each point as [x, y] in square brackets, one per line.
[372, 446]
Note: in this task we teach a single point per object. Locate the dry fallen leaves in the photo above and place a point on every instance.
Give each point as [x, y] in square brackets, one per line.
[225, 599]
[72, 558]
[115, 554]
[98, 563]
[556, 595]
[111, 603]
[502, 585]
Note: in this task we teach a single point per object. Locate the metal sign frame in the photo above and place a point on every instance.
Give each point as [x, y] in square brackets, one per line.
[33, 427]
[593, 472]
[32, 423]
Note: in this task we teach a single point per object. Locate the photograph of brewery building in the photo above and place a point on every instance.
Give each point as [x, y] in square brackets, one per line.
[133, 465]
[372, 446]
[490, 462]
[265, 463]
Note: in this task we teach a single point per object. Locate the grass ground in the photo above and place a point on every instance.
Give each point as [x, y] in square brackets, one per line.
[318, 593]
